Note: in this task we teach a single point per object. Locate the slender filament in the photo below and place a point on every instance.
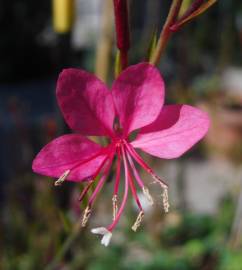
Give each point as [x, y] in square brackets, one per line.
[125, 196]
[101, 181]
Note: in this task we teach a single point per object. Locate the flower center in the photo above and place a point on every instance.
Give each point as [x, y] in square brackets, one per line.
[126, 156]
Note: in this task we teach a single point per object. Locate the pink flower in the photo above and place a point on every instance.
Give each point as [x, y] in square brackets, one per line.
[135, 103]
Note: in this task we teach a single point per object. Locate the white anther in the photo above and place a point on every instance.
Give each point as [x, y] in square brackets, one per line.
[165, 200]
[86, 216]
[115, 206]
[62, 178]
[138, 221]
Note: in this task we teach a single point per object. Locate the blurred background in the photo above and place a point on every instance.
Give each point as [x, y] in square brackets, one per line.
[202, 66]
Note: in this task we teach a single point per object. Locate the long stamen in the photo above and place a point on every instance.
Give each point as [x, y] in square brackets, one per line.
[141, 213]
[138, 221]
[85, 190]
[94, 177]
[157, 179]
[126, 189]
[132, 186]
[135, 172]
[87, 211]
[62, 178]
[133, 190]
[117, 180]
[101, 182]
[116, 185]
[139, 180]
[143, 164]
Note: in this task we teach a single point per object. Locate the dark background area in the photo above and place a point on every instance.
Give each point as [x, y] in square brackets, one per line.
[203, 229]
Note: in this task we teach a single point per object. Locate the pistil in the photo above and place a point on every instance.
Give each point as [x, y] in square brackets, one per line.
[106, 235]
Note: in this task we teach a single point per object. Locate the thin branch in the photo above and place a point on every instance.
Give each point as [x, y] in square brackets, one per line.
[194, 6]
[166, 32]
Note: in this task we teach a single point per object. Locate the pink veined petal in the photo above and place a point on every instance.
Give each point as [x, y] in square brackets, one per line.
[67, 152]
[138, 95]
[85, 102]
[87, 170]
[175, 131]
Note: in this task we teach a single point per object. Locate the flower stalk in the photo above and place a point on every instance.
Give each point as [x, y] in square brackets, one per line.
[173, 23]
[197, 8]
[194, 6]
[166, 32]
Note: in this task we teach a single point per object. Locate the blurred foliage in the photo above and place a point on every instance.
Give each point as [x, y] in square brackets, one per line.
[33, 236]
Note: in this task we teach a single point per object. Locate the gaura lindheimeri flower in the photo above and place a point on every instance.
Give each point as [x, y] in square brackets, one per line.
[135, 103]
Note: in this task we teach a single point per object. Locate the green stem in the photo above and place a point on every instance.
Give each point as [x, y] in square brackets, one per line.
[65, 247]
[166, 33]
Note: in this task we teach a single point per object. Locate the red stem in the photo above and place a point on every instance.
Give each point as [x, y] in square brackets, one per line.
[194, 6]
[122, 29]
[166, 32]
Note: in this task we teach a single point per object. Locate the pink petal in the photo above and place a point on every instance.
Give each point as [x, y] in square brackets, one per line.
[138, 95]
[86, 103]
[66, 152]
[176, 130]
